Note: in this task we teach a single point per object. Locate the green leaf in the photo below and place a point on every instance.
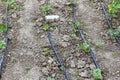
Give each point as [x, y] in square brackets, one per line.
[111, 32]
[97, 73]
[79, 46]
[46, 27]
[2, 44]
[15, 6]
[2, 28]
[86, 47]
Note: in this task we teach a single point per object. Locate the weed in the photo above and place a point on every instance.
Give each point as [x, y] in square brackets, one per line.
[97, 73]
[2, 44]
[47, 51]
[2, 28]
[50, 78]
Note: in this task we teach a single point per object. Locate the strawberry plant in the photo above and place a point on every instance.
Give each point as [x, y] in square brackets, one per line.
[46, 27]
[113, 8]
[84, 46]
[2, 28]
[46, 8]
[75, 26]
[2, 44]
[112, 32]
[47, 51]
[97, 73]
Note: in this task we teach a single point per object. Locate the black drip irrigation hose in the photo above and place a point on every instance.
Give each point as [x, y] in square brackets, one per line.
[54, 49]
[6, 39]
[108, 21]
[84, 39]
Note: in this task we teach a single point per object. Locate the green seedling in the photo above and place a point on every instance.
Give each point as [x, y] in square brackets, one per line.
[84, 46]
[2, 28]
[75, 26]
[47, 51]
[46, 8]
[113, 8]
[2, 44]
[97, 73]
[15, 6]
[50, 78]
[79, 46]
[111, 32]
[46, 27]
[73, 36]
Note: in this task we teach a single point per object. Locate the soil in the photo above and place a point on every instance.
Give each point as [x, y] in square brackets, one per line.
[25, 59]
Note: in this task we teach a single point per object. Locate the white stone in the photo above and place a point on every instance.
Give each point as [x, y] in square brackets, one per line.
[52, 18]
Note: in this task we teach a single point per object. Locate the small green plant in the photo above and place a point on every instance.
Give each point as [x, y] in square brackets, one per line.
[50, 78]
[46, 8]
[75, 26]
[73, 36]
[79, 46]
[46, 27]
[113, 8]
[15, 6]
[2, 28]
[97, 73]
[84, 46]
[112, 32]
[47, 51]
[2, 44]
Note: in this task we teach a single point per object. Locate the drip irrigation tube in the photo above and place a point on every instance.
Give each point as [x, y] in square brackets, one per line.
[108, 21]
[6, 39]
[54, 49]
[83, 38]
